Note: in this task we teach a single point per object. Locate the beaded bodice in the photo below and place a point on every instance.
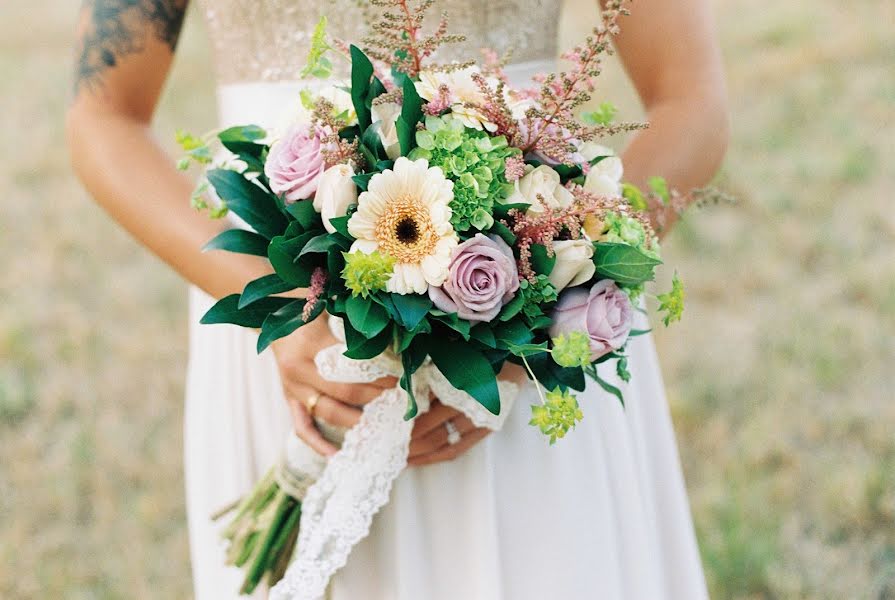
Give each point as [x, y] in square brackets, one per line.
[268, 40]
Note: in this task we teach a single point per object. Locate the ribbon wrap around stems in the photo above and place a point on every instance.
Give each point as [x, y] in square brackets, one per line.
[339, 508]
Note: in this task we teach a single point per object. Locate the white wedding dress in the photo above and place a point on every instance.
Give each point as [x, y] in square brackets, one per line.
[602, 514]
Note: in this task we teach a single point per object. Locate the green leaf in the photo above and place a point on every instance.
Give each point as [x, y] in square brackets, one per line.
[361, 73]
[512, 308]
[304, 213]
[551, 375]
[467, 369]
[362, 180]
[282, 253]
[637, 332]
[411, 113]
[371, 140]
[255, 206]
[242, 133]
[320, 244]
[608, 387]
[263, 287]
[527, 349]
[284, 321]
[512, 332]
[482, 333]
[541, 261]
[623, 263]
[366, 316]
[226, 310]
[341, 226]
[360, 348]
[504, 232]
[240, 241]
[411, 308]
[453, 321]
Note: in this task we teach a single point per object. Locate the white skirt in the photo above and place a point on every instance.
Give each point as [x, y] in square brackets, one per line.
[601, 514]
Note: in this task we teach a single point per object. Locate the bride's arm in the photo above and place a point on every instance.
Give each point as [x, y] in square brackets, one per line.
[670, 51]
[124, 55]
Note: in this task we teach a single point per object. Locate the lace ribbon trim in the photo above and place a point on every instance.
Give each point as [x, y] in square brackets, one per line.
[338, 509]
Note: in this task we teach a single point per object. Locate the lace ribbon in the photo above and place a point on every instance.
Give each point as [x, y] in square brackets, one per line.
[339, 508]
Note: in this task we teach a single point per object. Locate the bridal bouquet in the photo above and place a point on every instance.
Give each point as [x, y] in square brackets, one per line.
[452, 224]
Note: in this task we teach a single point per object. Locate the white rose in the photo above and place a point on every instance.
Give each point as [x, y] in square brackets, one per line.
[604, 178]
[591, 150]
[335, 193]
[542, 189]
[574, 263]
[384, 115]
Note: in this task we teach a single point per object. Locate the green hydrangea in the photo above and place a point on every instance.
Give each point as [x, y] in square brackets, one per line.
[474, 161]
[571, 350]
[536, 295]
[557, 415]
[672, 303]
[366, 273]
[628, 230]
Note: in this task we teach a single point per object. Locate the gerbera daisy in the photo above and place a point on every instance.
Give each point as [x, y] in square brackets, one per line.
[404, 214]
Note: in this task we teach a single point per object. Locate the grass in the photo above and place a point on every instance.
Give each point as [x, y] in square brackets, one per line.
[780, 376]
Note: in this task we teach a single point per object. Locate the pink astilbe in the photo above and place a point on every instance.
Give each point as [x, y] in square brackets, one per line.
[315, 291]
[336, 150]
[550, 126]
[494, 107]
[514, 168]
[565, 223]
[493, 64]
[397, 38]
[440, 103]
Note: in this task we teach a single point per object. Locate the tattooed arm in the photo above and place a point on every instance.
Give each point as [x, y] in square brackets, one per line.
[125, 52]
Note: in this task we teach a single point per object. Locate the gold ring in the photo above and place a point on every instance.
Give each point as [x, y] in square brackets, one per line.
[311, 403]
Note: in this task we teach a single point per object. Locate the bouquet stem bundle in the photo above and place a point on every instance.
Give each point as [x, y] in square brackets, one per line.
[264, 525]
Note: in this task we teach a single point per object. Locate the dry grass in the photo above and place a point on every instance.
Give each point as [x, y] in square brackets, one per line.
[780, 376]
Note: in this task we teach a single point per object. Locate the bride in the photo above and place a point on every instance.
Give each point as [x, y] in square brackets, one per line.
[603, 514]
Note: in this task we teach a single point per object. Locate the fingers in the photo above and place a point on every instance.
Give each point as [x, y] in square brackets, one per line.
[438, 437]
[437, 415]
[449, 452]
[304, 426]
[336, 413]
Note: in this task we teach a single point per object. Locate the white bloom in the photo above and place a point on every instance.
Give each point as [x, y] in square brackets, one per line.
[591, 150]
[385, 114]
[604, 178]
[405, 214]
[335, 193]
[462, 90]
[542, 189]
[574, 263]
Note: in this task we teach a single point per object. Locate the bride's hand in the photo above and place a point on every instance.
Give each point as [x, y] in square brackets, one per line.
[337, 403]
[429, 442]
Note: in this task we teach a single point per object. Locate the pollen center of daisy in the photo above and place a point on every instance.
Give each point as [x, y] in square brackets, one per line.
[405, 230]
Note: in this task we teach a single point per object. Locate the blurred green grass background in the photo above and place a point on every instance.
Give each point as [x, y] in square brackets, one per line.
[780, 376]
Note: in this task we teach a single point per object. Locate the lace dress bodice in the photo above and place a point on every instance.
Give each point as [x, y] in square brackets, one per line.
[268, 40]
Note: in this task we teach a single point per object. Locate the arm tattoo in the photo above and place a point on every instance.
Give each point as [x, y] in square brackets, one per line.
[117, 28]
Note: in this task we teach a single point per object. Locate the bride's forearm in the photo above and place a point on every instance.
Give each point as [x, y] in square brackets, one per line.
[684, 143]
[135, 181]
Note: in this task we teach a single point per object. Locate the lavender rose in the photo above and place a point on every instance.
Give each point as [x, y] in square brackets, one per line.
[295, 164]
[604, 313]
[483, 277]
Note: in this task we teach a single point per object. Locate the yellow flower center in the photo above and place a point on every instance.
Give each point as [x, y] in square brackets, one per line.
[405, 231]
